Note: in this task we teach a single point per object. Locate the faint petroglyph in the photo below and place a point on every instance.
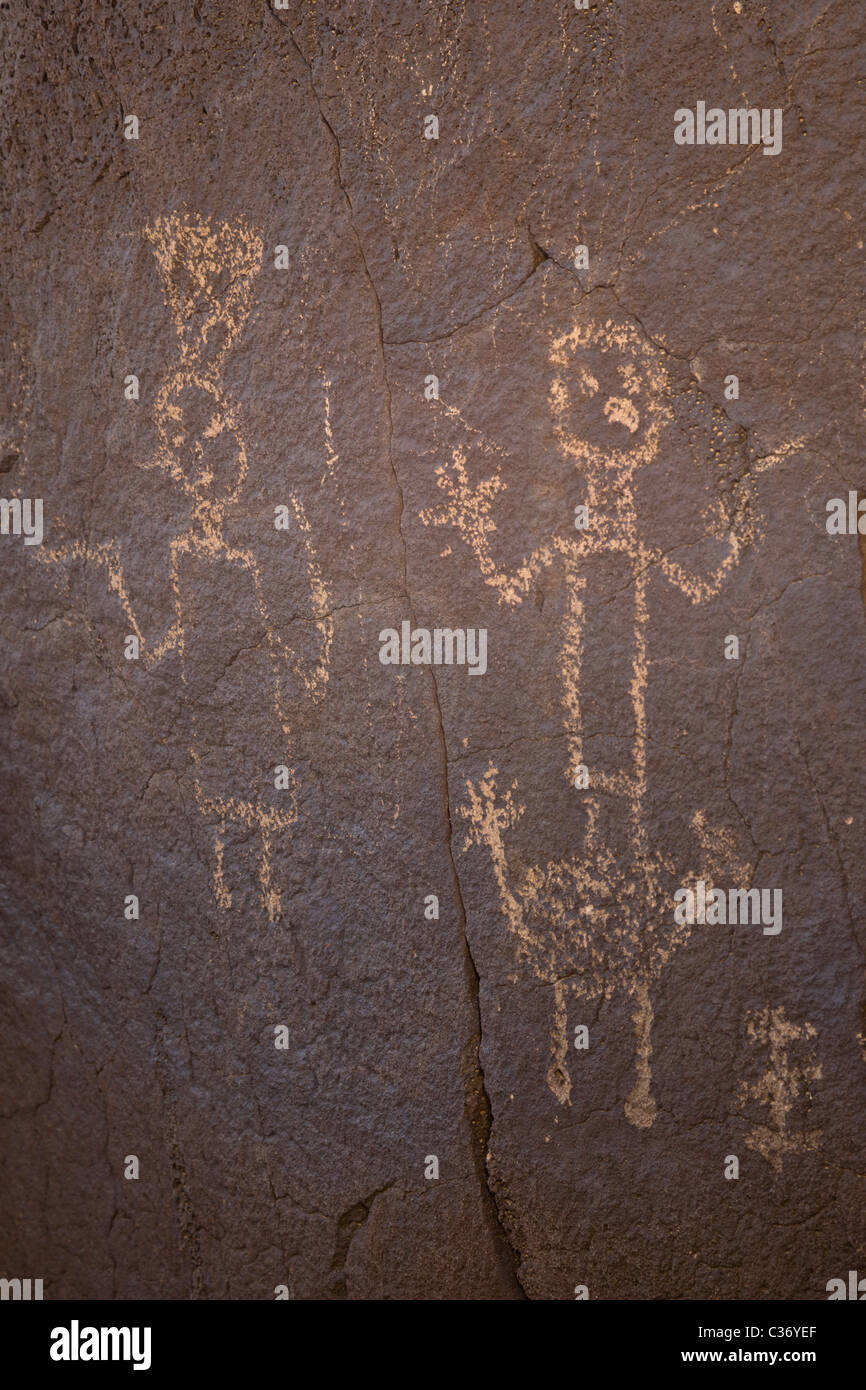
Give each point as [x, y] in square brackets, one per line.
[787, 1082]
[640, 1107]
[558, 1077]
[600, 920]
[207, 272]
[331, 457]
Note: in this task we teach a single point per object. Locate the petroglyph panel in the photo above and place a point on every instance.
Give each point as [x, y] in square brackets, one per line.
[399, 977]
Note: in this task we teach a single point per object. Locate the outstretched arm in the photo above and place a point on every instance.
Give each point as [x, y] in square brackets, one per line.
[738, 523]
[468, 510]
[488, 816]
[738, 531]
[312, 677]
[106, 554]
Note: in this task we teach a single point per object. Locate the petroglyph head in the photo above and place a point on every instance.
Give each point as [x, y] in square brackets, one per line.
[200, 436]
[606, 397]
[207, 271]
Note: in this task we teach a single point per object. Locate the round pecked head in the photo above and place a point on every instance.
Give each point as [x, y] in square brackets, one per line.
[607, 397]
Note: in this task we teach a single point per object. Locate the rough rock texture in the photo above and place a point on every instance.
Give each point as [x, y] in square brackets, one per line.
[302, 904]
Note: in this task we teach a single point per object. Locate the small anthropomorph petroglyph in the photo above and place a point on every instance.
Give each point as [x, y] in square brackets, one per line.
[791, 1070]
[207, 271]
[599, 920]
[207, 274]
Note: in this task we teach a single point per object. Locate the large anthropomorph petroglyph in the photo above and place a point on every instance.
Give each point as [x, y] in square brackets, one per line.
[208, 272]
[601, 919]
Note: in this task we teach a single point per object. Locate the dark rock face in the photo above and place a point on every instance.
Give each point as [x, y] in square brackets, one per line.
[287, 1035]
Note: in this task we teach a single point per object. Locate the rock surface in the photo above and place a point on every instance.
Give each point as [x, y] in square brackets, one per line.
[287, 1035]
